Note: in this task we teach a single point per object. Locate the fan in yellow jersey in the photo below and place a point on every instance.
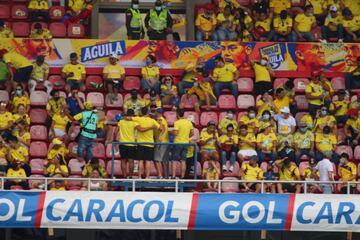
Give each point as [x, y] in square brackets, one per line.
[206, 24]
[325, 145]
[252, 171]
[209, 142]
[309, 174]
[266, 144]
[303, 142]
[161, 155]
[5, 31]
[212, 173]
[20, 97]
[315, 94]
[74, 73]
[333, 26]
[265, 103]
[114, 76]
[39, 32]
[16, 170]
[6, 118]
[22, 133]
[352, 128]
[250, 120]
[39, 10]
[55, 103]
[247, 144]
[288, 171]
[227, 120]
[347, 173]
[340, 107]
[351, 25]
[145, 130]
[58, 148]
[150, 75]
[323, 119]
[229, 142]
[59, 124]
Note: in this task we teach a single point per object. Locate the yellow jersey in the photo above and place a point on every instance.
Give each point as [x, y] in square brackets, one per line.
[225, 73]
[147, 136]
[262, 74]
[304, 22]
[184, 127]
[211, 144]
[252, 173]
[17, 60]
[325, 143]
[114, 71]
[77, 69]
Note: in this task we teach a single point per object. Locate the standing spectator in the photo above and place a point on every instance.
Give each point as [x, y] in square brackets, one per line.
[225, 22]
[209, 142]
[86, 141]
[263, 74]
[252, 171]
[114, 75]
[59, 124]
[39, 32]
[134, 23]
[282, 27]
[250, 120]
[265, 103]
[226, 121]
[262, 29]
[22, 65]
[206, 24]
[333, 26]
[229, 142]
[286, 123]
[352, 128]
[162, 151]
[303, 142]
[5, 31]
[351, 26]
[158, 22]
[281, 100]
[288, 171]
[340, 107]
[75, 103]
[315, 94]
[304, 24]
[266, 143]
[40, 74]
[247, 144]
[150, 75]
[212, 173]
[168, 91]
[352, 78]
[135, 103]
[4, 75]
[74, 73]
[279, 6]
[183, 131]
[326, 145]
[145, 134]
[39, 9]
[347, 173]
[326, 170]
[20, 97]
[225, 76]
[16, 170]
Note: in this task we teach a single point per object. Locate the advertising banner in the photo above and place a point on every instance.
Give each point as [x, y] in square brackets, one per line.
[331, 57]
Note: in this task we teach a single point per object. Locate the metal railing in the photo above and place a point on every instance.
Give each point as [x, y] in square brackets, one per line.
[177, 183]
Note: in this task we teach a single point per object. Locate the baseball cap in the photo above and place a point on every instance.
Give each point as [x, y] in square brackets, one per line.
[56, 141]
[347, 12]
[254, 157]
[333, 8]
[285, 110]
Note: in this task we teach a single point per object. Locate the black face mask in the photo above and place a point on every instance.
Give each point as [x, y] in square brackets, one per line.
[283, 16]
[133, 97]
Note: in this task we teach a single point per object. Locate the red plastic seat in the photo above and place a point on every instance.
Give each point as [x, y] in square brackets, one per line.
[21, 29]
[109, 151]
[302, 167]
[16, 188]
[230, 187]
[227, 102]
[188, 102]
[34, 183]
[345, 149]
[298, 3]
[38, 116]
[235, 172]
[96, 98]
[19, 12]
[116, 104]
[57, 81]
[170, 117]
[301, 102]
[338, 83]
[75, 30]
[4, 11]
[195, 114]
[244, 101]
[74, 185]
[56, 13]
[300, 84]
[279, 81]
[206, 117]
[99, 150]
[38, 133]
[37, 166]
[58, 29]
[117, 168]
[4, 96]
[38, 149]
[43, 24]
[357, 153]
[245, 84]
[110, 115]
[38, 98]
[93, 79]
[244, 2]
[75, 166]
[131, 82]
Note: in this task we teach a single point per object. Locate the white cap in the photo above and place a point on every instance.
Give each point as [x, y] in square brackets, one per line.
[191, 118]
[333, 8]
[285, 110]
[113, 55]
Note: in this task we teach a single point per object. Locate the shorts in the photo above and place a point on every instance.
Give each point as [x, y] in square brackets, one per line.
[59, 132]
[75, 83]
[161, 153]
[100, 133]
[209, 151]
[117, 86]
[247, 153]
[252, 186]
[127, 152]
[22, 75]
[179, 152]
[289, 187]
[145, 153]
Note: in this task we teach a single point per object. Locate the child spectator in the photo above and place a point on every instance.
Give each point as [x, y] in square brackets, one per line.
[212, 173]
[252, 171]
[340, 107]
[270, 175]
[229, 142]
[40, 74]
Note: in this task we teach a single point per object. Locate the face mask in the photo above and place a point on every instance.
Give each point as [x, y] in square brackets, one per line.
[310, 14]
[326, 133]
[283, 16]
[158, 8]
[266, 117]
[135, 6]
[148, 62]
[303, 129]
[263, 62]
[251, 115]
[18, 92]
[323, 112]
[196, 84]
[230, 116]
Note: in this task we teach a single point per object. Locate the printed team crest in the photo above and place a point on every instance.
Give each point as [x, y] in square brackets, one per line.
[275, 53]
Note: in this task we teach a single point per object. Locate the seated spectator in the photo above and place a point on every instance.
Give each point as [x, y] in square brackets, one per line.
[288, 171]
[286, 123]
[320, 9]
[16, 170]
[247, 144]
[347, 173]
[39, 32]
[285, 146]
[17, 152]
[150, 75]
[323, 118]
[95, 185]
[169, 94]
[20, 97]
[266, 118]
[190, 72]
[57, 168]
[243, 25]
[56, 148]
[352, 78]
[59, 185]
[55, 103]
[315, 94]
[279, 6]
[250, 120]
[190, 99]
[262, 28]
[340, 107]
[304, 24]
[75, 104]
[209, 142]
[40, 74]
[135, 103]
[3, 156]
[251, 171]
[74, 73]
[153, 100]
[21, 115]
[76, 6]
[333, 26]
[92, 166]
[5, 31]
[226, 121]
[303, 142]
[158, 22]
[326, 144]
[39, 10]
[6, 120]
[22, 133]
[270, 175]
[206, 24]
[225, 30]
[282, 27]
[355, 104]
[4, 74]
[134, 22]
[351, 26]
[225, 76]
[59, 124]
[281, 100]
[353, 5]
[114, 75]
[212, 173]
[266, 143]
[327, 87]
[229, 143]
[352, 128]
[261, 6]
[263, 74]
[265, 103]
[308, 175]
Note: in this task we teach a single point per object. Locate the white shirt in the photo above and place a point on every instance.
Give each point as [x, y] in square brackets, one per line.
[284, 125]
[324, 167]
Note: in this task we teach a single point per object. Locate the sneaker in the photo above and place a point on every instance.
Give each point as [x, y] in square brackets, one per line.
[341, 40]
[231, 168]
[224, 168]
[323, 40]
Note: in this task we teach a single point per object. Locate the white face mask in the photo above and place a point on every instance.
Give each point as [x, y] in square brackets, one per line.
[230, 116]
[263, 62]
[136, 6]
[251, 115]
[158, 8]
